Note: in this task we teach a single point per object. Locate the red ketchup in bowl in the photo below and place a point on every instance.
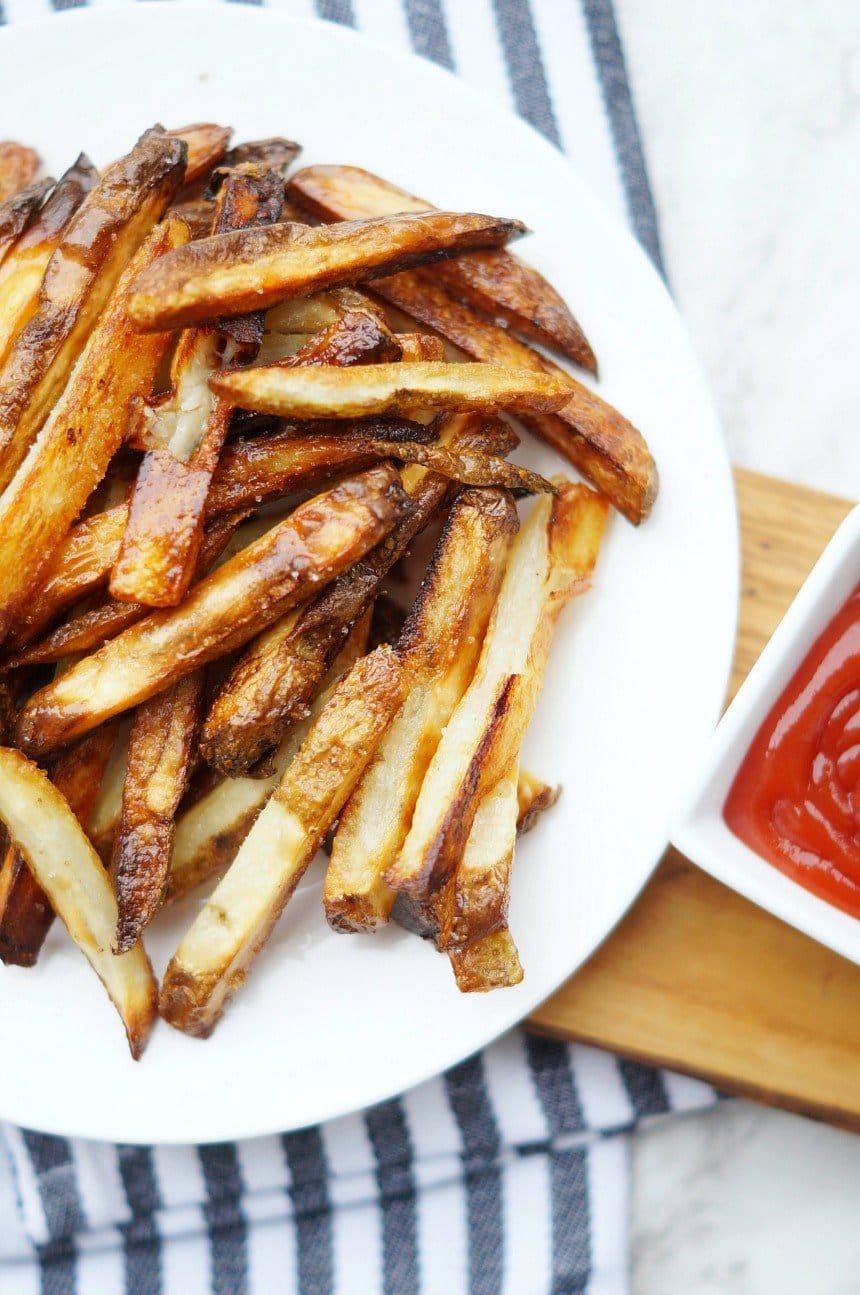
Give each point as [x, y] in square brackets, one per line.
[796, 798]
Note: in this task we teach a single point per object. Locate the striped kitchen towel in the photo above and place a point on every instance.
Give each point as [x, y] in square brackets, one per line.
[506, 1176]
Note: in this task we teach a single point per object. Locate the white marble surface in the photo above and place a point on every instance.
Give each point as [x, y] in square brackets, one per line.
[751, 119]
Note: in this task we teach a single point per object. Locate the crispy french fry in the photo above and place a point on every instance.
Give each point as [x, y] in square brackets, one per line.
[551, 561]
[275, 152]
[160, 753]
[438, 649]
[599, 441]
[210, 831]
[18, 165]
[25, 263]
[495, 282]
[82, 433]
[25, 911]
[206, 144]
[534, 796]
[72, 876]
[420, 346]
[17, 212]
[257, 586]
[491, 963]
[254, 269]
[330, 392]
[101, 826]
[215, 955]
[96, 247]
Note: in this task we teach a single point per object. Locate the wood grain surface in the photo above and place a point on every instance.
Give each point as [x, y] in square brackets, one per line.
[697, 978]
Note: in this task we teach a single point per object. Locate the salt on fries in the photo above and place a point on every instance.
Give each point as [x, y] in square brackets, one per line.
[235, 415]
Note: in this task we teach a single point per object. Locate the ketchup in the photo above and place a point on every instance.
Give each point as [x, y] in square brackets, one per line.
[796, 797]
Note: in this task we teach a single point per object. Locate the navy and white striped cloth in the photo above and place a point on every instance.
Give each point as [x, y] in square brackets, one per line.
[509, 1174]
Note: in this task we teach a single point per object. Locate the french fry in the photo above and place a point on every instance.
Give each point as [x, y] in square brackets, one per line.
[96, 247]
[160, 753]
[101, 826]
[210, 831]
[216, 953]
[330, 392]
[82, 433]
[275, 153]
[420, 346]
[25, 263]
[438, 649]
[599, 441]
[491, 963]
[18, 166]
[533, 797]
[206, 143]
[25, 911]
[496, 282]
[72, 876]
[226, 609]
[254, 269]
[551, 561]
[162, 539]
[17, 212]
[88, 629]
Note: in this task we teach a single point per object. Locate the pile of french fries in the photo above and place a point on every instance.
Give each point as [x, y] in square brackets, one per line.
[231, 401]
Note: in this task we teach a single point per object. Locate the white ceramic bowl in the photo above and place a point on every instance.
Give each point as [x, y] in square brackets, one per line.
[700, 831]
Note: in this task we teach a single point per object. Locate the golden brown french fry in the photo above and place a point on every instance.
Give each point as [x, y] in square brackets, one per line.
[210, 831]
[551, 561]
[534, 796]
[599, 441]
[85, 630]
[72, 876]
[491, 963]
[330, 392]
[420, 346]
[162, 540]
[216, 953]
[495, 282]
[101, 826]
[254, 269]
[18, 165]
[25, 263]
[96, 247]
[160, 753]
[206, 143]
[257, 586]
[17, 212]
[82, 433]
[438, 649]
[25, 911]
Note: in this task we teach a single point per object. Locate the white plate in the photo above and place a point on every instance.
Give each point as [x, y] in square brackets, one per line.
[329, 1023]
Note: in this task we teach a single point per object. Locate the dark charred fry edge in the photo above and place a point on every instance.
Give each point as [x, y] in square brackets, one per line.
[250, 198]
[17, 212]
[252, 269]
[274, 153]
[160, 756]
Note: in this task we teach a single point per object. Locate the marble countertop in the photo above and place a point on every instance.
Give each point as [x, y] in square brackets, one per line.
[751, 122]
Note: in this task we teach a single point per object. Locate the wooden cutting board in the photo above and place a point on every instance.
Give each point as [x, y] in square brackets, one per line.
[695, 977]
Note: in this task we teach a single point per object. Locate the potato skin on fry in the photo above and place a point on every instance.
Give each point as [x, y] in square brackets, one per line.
[17, 212]
[329, 392]
[96, 247]
[253, 269]
[312, 546]
[160, 752]
[214, 957]
[496, 282]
